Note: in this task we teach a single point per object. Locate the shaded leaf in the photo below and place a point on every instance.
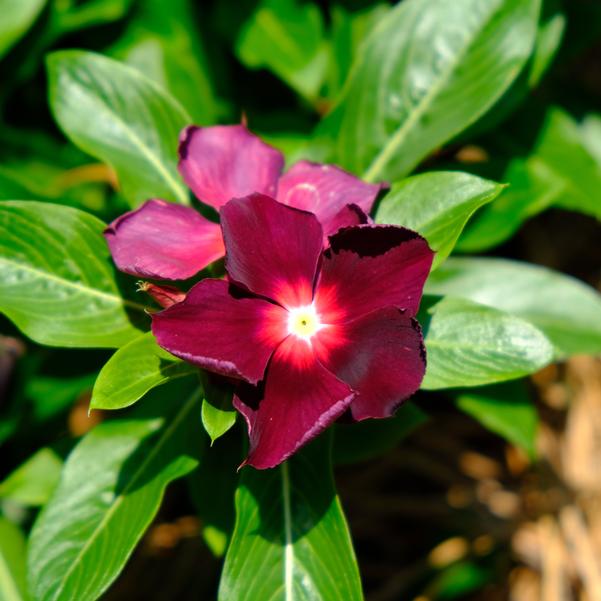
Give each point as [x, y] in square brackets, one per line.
[287, 37]
[164, 44]
[17, 18]
[33, 482]
[505, 409]
[371, 438]
[57, 281]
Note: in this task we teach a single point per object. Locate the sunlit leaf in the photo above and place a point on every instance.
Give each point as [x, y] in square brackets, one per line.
[437, 205]
[136, 123]
[566, 310]
[110, 490]
[57, 281]
[470, 345]
[424, 74]
[290, 531]
[133, 370]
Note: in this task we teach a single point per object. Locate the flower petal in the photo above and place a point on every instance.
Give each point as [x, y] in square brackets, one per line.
[227, 161]
[325, 190]
[368, 267]
[380, 355]
[165, 241]
[224, 334]
[301, 398]
[271, 249]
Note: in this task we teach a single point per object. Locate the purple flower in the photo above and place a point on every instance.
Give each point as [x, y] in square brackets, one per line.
[161, 240]
[309, 333]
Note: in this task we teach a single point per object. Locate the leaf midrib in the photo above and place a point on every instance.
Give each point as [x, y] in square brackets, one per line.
[397, 139]
[152, 158]
[117, 502]
[69, 284]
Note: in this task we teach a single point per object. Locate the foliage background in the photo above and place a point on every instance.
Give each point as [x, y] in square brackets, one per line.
[452, 512]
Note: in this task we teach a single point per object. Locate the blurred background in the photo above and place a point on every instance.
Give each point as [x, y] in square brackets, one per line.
[453, 512]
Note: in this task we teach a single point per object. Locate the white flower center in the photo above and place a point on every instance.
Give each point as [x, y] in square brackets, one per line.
[304, 322]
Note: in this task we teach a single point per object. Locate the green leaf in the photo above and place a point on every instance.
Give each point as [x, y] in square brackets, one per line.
[290, 530]
[133, 370]
[50, 395]
[17, 18]
[348, 31]
[528, 194]
[218, 474]
[560, 171]
[218, 414]
[505, 409]
[565, 309]
[424, 74]
[371, 438]
[136, 123]
[437, 205]
[13, 586]
[287, 37]
[33, 482]
[110, 491]
[57, 281]
[164, 44]
[470, 345]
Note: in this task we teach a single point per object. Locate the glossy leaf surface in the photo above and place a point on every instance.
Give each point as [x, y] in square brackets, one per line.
[57, 281]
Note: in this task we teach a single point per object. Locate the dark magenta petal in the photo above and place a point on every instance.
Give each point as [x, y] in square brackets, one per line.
[271, 249]
[380, 355]
[224, 334]
[326, 190]
[227, 161]
[301, 398]
[368, 267]
[346, 217]
[165, 241]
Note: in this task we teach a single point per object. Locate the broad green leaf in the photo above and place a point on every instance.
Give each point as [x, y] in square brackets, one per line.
[218, 414]
[13, 584]
[17, 18]
[70, 16]
[371, 438]
[548, 39]
[527, 194]
[471, 345]
[33, 482]
[437, 205]
[348, 31]
[164, 44]
[291, 540]
[133, 370]
[287, 37]
[57, 282]
[110, 491]
[505, 409]
[560, 171]
[424, 74]
[136, 123]
[565, 309]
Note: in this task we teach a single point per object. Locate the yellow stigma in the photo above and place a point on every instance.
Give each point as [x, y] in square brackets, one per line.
[303, 322]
